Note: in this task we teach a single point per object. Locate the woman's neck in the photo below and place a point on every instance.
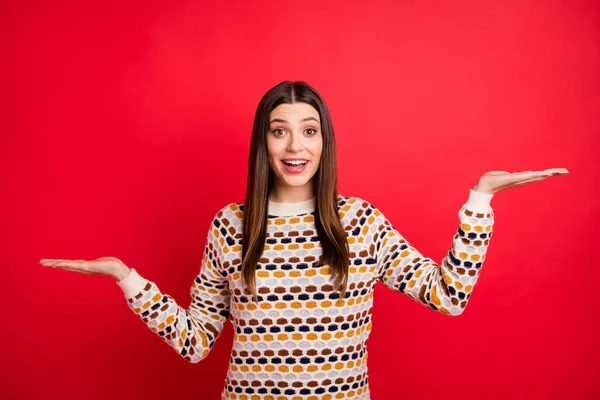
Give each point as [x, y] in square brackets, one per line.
[292, 194]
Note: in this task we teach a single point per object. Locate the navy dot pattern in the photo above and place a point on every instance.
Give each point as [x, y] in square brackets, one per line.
[302, 340]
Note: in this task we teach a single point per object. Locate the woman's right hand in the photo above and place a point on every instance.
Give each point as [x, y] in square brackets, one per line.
[103, 266]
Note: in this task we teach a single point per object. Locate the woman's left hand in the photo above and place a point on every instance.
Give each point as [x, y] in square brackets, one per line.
[495, 181]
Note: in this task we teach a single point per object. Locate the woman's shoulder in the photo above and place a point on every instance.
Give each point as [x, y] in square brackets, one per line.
[344, 199]
[229, 217]
[355, 205]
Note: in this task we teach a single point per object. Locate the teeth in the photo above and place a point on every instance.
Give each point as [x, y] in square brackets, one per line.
[295, 162]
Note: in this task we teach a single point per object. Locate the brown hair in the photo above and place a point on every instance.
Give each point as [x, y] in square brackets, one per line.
[332, 235]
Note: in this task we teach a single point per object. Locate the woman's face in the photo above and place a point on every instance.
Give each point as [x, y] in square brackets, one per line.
[294, 145]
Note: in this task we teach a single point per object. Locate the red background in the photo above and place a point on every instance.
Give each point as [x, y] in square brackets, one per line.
[125, 126]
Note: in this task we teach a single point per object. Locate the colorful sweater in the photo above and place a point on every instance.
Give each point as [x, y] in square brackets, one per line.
[301, 341]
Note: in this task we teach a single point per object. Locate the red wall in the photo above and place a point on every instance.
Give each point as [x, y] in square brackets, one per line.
[126, 125]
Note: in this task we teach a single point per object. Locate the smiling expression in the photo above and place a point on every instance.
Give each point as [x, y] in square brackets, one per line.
[294, 145]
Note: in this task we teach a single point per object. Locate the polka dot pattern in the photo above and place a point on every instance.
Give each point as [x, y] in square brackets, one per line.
[302, 340]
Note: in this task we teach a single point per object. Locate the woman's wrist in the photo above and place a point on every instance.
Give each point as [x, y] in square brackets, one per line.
[482, 189]
[121, 272]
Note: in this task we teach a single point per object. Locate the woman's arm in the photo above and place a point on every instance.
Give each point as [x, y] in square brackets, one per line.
[190, 332]
[447, 287]
[444, 287]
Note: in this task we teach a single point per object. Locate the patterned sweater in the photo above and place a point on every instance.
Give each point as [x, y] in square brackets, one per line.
[301, 340]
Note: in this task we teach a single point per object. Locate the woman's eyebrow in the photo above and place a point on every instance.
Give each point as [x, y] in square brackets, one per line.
[302, 120]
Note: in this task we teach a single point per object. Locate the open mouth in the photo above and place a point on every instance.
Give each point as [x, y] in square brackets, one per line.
[295, 166]
[294, 163]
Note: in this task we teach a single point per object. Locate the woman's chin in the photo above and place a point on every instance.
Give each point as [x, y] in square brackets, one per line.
[295, 181]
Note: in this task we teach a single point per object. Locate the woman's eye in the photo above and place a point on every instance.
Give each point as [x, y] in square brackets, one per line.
[311, 131]
[278, 132]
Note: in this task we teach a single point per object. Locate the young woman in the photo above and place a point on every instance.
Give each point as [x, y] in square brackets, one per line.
[295, 265]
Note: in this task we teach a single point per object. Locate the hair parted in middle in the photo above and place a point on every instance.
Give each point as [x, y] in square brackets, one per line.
[331, 233]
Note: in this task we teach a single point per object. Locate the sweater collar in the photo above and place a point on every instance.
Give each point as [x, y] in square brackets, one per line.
[290, 209]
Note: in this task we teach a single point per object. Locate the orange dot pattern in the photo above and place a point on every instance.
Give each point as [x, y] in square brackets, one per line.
[302, 340]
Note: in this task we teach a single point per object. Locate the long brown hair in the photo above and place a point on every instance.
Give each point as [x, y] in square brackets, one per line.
[332, 235]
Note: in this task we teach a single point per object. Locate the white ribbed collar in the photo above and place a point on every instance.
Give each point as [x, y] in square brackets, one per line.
[290, 209]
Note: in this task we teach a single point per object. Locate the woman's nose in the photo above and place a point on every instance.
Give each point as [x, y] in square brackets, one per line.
[294, 143]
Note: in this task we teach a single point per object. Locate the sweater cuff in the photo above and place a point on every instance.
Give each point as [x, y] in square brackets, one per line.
[132, 284]
[479, 202]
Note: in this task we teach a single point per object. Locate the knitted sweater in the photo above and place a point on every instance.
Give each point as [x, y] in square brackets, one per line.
[301, 341]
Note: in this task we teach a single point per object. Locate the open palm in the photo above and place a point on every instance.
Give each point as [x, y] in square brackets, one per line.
[103, 266]
[495, 181]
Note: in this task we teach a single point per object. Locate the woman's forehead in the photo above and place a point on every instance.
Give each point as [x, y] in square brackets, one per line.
[294, 112]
